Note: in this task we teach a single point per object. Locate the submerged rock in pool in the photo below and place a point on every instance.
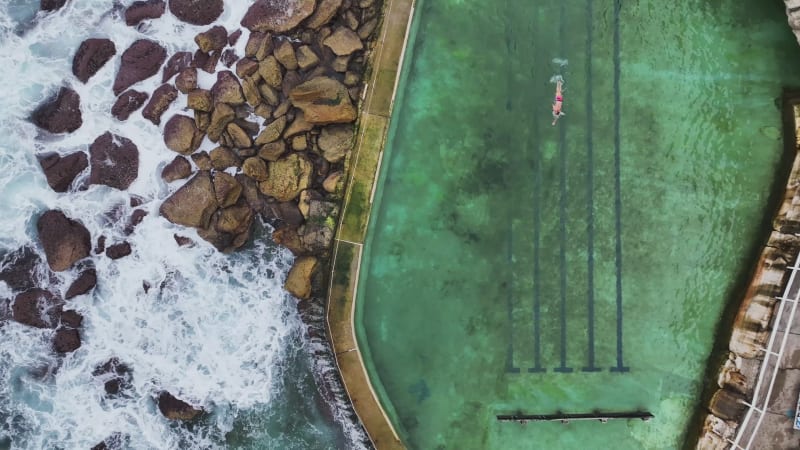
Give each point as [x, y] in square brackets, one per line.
[61, 113]
[91, 56]
[65, 241]
[176, 409]
[139, 62]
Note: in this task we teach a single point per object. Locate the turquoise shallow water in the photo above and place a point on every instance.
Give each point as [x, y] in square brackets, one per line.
[515, 266]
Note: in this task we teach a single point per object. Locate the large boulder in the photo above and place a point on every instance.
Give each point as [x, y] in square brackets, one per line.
[193, 204]
[325, 11]
[223, 114]
[64, 240]
[298, 282]
[37, 308]
[181, 135]
[162, 97]
[287, 177]
[196, 12]
[226, 189]
[176, 409]
[280, 17]
[143, 10]
[227, 89]
[114, 160]
[343, 41]
[19, 268]
[66, 340]
[60, 113]
[128, 102]
[61, 171]
[323, 100]
[92, 55]
[335, 141]
[139, 62]
[85, 282]
[178, 169]
[214, 39]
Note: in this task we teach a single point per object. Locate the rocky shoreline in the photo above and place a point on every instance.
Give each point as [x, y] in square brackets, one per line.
[737, 377]
[282, 118]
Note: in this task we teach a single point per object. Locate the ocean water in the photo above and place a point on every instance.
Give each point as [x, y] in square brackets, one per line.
[513, 266]
[217, 331]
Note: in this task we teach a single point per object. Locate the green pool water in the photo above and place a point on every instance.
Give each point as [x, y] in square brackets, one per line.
[513, 266]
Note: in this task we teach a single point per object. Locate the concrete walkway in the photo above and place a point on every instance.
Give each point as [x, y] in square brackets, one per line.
[364, 165]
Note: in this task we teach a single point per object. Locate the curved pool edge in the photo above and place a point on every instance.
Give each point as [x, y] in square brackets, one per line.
[363, 165]
[742, 396]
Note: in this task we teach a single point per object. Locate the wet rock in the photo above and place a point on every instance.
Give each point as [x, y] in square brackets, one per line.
[118, 251]
[323, 100]
[280, 17]
[91, 56]
[205, 61]
[178, 169]
[200, 100]
[115, 375]
[229, 57]
[59, 114]
[51, 5]
[128, 102]
[186, 80]
[298, 282]
[114, 160]
[101, 245]
[233, 38]
[19, 268]
[183, 241]
[144, 10]
[226, 189]
[259, 46]
[85, 282]
[139, 62]
[227, 89]
[159, 102]
[287, 177]
[61, 171]
[181, 135]
[71, 318]
[343, 41]
[211, 40]
[137, 216]
[175, 409]
[335, 141]
[117, 441]
[66, 340]
[223, 157]
[324, 12]
[193, 204]
[196, 12]
[64, 240]
[37, 308]
[175, 65]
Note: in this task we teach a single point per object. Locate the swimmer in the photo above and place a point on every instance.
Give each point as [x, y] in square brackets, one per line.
[557, 103]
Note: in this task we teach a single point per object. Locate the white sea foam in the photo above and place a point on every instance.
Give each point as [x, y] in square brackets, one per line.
[212, 328]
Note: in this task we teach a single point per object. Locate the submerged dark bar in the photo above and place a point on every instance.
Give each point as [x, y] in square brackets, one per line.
[566, 417]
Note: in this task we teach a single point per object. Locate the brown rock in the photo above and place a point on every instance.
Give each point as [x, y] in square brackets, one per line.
[335, 141]
[85, 282]
[331, 183]
[66, 340]
[269, 94]
[196, 12]
[351, 78]
[323, 100]
[127, 103]
[200, 100]
[227, 89]
[284, 53]
[171, 407]
[270, 71]
[178, 169]
[233, 38]
[239, 136]
[61, 171]
[365, 31]
[290, 80]
[299, 143]
[37, 308]
[272, 131]
[114, 161]
[299, 125]
[137, 216]
[186, 80]
[143, 10]
[229, 57]
[181, 135]
[71, 318]
[325, 11]
[351, 20]
[140, 61]
[118, 251]
[727, 405]
[216, 38]
[193, 204]
[298, 282]
[306, 58]
[59, 114]
[287, 177]
[263, 110]
[246, 67]
[235, 219]
[202, 120]
[176, 64]
[205, 61]
[223, 157]
[64, 240]
[250, 91]
[272, 151]
[202, 160]
[259, 45]
[343, 41]
[226, 189]
[21, 268]
[280, 17]
[255, 168]
[183, 241]
[282, 109]
[287, 236]
[162, 97]
[223, 114]
[91, 56]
